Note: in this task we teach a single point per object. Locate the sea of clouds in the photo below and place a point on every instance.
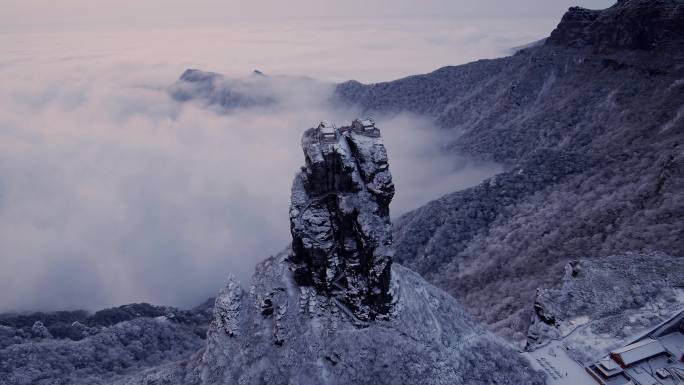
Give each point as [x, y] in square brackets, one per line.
[113, 192]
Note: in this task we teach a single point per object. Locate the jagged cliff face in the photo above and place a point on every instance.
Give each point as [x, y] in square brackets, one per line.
[339, 219]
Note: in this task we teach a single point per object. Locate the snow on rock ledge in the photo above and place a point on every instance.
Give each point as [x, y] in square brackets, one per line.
[227, 307]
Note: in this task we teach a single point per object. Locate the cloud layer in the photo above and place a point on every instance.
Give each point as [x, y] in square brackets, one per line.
[112, 192]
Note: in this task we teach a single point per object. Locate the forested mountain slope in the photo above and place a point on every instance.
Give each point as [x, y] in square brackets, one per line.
[591, 124]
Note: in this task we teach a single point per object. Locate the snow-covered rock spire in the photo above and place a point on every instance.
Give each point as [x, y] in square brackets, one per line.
[339, 217]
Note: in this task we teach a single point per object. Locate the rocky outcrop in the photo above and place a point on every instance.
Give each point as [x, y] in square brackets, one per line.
[227, 307]
[629, 24]
[291, 334]
[339, 218]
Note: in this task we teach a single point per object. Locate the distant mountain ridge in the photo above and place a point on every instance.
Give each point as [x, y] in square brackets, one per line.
[258, 90]
[629, 24]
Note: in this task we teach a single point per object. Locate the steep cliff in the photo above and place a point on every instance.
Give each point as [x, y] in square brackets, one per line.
[339, 218]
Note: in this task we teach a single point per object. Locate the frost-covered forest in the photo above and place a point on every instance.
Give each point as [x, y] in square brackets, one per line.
[81, 348]
[593, 139]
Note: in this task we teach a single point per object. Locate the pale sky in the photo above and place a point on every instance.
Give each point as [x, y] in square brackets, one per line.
[76, 12]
